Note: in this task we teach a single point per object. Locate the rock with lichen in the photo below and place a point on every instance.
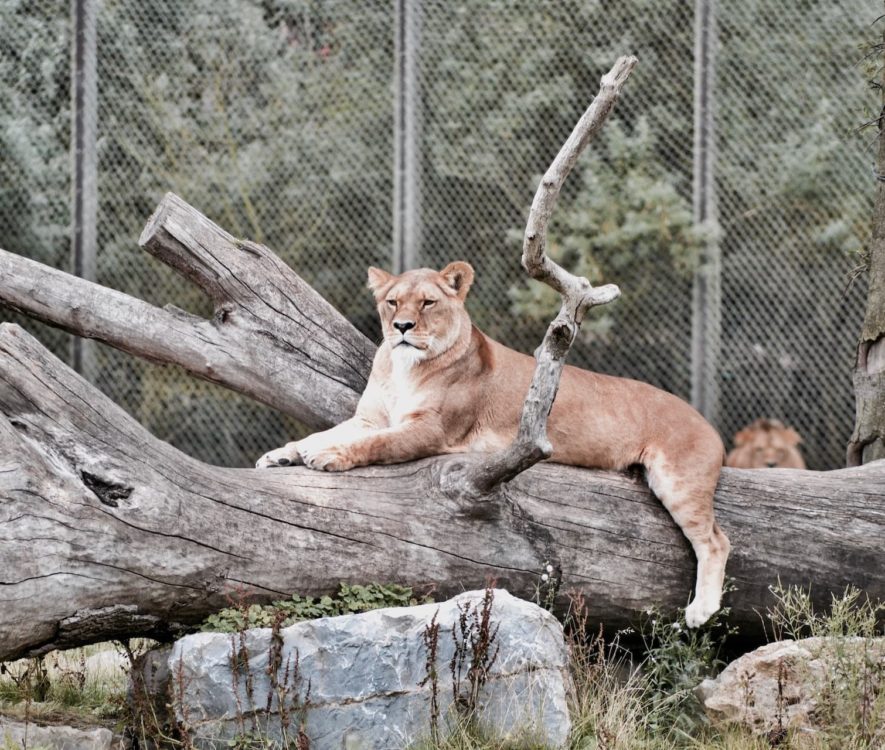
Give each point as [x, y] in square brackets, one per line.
[797, 686]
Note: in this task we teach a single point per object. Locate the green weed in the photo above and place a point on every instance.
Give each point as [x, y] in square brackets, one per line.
[677, 659]
[350, 599]
[468, 735]
[851, 614]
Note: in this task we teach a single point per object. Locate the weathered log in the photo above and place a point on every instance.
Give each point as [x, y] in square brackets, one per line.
[272, 337]
[106, 531]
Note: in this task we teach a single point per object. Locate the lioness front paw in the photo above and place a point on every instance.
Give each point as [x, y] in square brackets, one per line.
[325, 458]
[286, 456]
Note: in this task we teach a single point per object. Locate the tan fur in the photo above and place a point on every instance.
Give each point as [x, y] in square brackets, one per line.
[766, 444]
[450, 388]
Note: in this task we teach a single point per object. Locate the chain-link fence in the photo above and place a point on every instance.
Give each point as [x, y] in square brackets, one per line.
[281, 120]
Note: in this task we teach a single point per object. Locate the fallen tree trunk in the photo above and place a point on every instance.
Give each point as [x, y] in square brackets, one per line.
[107, 532]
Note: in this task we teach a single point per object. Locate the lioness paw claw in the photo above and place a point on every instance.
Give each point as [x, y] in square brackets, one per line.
[284, 456]
[328, 459]
[319, 455]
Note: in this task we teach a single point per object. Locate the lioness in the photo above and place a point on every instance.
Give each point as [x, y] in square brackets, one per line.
[440, 385]
[766, 444]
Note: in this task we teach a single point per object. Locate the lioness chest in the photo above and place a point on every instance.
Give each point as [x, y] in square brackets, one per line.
[402, 394]
[477, 397]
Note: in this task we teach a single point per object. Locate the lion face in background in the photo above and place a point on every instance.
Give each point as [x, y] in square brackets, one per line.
[766, 444]
[422, 312]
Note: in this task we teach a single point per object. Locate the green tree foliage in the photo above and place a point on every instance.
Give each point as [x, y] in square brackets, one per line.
[794, 206]
[273, 118]
[34, 128]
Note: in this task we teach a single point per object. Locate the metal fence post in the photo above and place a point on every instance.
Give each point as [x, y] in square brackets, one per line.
[84, 198]
[406, 136]
[706, 291]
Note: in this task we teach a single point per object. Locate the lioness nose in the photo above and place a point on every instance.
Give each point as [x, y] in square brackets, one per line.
[403, 325]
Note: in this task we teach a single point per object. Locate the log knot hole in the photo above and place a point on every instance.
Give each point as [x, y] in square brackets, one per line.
[107, 492]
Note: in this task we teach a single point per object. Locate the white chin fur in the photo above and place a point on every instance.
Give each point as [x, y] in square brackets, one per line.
[406, 357]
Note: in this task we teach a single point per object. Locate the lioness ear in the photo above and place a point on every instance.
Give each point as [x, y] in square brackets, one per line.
[378, 279]
[459, 277]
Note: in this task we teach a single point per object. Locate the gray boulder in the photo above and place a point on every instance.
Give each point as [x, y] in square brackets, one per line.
[361, 681]
[18, 734]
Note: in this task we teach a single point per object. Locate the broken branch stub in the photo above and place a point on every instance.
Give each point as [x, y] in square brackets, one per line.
[578, 295]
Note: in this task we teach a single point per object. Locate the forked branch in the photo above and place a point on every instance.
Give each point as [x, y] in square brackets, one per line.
[531, 444]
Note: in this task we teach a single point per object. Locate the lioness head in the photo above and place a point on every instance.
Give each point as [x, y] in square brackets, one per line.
[422, 312]
[766, 444]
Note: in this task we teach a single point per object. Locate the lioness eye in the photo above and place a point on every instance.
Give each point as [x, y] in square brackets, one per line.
[391, 302]
[429, 302]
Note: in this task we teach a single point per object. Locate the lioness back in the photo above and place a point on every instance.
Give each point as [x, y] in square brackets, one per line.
[598, 421]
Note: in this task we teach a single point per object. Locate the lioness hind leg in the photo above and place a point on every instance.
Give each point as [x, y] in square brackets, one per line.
[689, 500]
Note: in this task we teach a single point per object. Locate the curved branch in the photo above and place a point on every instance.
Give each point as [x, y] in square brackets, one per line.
[531, 444]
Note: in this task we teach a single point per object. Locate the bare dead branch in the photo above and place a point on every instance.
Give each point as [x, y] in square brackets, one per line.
[94, 311]
[531, 444]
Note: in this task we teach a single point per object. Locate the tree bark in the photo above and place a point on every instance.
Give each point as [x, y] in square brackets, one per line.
[867, 442]
[107, 532]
